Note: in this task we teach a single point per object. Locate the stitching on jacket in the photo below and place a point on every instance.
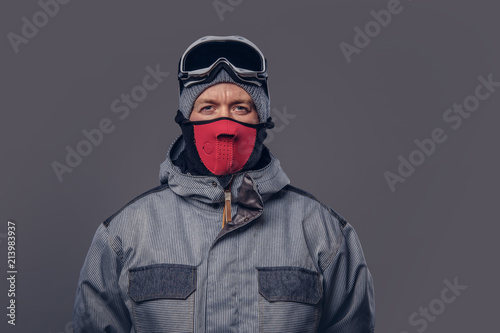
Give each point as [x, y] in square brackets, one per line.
[117, 252]
[334, 253]
[106, 232]
[341, 220]
[153, 190]
[300, 191]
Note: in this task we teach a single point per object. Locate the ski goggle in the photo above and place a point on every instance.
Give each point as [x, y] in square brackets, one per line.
[241, 58]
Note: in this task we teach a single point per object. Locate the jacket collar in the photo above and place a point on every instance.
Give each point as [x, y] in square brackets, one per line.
[207, 189]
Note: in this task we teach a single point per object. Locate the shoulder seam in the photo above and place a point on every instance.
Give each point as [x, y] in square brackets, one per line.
[153, 190]
[300, 191]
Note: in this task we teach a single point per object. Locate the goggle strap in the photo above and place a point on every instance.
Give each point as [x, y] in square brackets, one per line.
[213, 74]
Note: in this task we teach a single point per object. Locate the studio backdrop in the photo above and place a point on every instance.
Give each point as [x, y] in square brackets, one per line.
[387, 111]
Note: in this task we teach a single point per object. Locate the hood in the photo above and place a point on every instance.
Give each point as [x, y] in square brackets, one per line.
[207, 189]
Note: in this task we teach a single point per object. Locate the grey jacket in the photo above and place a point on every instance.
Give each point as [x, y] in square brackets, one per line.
[285, 263]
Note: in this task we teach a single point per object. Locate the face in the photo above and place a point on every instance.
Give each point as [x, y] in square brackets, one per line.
[225, 100]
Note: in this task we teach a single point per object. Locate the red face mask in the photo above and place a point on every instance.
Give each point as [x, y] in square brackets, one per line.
[224, 145]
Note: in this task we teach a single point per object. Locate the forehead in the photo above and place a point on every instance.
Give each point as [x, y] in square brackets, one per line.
[225, 90]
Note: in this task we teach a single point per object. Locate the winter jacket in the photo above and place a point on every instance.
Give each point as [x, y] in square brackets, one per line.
[284, 263]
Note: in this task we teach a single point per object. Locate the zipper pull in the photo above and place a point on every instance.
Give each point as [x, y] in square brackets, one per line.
[227, 207]
[226, 214]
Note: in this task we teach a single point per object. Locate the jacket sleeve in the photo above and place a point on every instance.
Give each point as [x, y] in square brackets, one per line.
[98, 306]
[348, 303]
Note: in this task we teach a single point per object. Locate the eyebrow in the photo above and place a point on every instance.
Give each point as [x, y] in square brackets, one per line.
[212, 101]
[206, 100]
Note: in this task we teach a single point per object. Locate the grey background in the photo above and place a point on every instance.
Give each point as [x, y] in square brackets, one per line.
[352, 121]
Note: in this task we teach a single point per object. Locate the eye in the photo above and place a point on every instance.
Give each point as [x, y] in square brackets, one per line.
[208, 108]
[241, 109]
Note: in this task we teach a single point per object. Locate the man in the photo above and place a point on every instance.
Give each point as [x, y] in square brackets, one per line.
[224, 244]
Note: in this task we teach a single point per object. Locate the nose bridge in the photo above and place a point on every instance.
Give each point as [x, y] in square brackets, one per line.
[224, 110]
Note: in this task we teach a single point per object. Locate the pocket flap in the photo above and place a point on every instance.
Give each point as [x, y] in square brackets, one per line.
[161, 281]
[290, 284]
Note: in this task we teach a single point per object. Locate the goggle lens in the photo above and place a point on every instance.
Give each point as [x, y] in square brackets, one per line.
[239, 54]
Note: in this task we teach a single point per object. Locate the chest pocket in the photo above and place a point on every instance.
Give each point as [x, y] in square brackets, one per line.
[163, 296]
[289, 299]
